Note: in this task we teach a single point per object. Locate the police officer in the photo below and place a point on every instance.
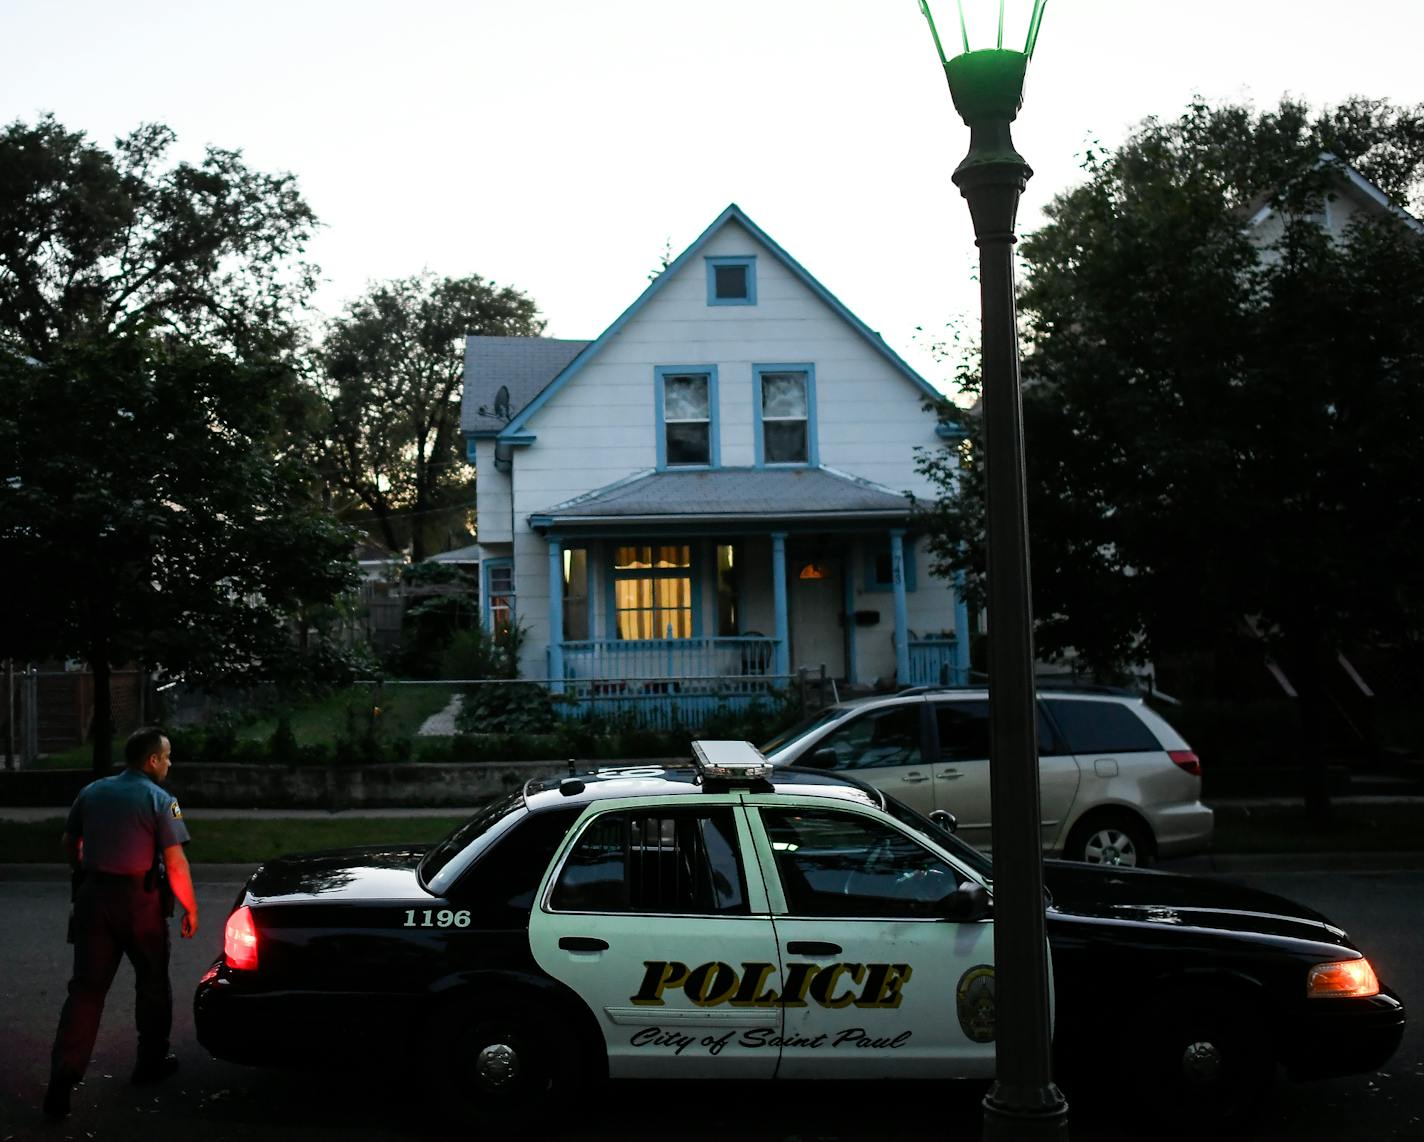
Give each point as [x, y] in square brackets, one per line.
[122, 835]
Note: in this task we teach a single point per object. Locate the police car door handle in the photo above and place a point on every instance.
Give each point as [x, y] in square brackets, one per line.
[582, 944]
[812, 948]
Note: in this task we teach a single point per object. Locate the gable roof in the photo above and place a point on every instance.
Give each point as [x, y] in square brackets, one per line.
[524, 365]
[729, 495]
[517, 430]
[1263, 205]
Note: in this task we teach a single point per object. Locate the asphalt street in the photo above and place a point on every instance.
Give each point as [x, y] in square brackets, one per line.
[214, 1101]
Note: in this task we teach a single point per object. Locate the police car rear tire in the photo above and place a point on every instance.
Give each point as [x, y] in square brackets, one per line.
[500, 1066]
[1207, 1063]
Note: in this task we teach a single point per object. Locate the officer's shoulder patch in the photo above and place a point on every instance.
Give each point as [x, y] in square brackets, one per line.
[177, 812]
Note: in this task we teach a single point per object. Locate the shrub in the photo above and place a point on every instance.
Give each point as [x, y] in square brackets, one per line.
[506, 707]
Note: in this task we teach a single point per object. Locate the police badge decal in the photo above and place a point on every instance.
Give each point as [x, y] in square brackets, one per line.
[974, 1000]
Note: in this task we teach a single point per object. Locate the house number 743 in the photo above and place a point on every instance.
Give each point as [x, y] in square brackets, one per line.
[429, 918]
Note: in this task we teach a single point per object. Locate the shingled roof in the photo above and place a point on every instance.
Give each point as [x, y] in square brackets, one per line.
[524, 365]
[730, 495]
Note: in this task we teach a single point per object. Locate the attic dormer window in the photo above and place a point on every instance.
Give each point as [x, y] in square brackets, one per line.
[731, 281]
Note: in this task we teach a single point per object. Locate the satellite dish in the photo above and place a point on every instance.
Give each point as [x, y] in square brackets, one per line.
[501, 402]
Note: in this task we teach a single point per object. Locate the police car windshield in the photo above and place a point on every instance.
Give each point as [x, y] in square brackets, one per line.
[942, 837]
[486, 818]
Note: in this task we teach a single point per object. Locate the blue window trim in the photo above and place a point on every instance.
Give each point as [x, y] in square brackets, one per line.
[749, 261]
[813, 451]
[714, 439]
[485, 567]
[696, 553]
[873, 552]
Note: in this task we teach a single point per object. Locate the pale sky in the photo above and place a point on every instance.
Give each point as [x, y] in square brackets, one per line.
[559, 146]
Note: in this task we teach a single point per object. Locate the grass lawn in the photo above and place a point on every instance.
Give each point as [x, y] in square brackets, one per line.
[80, 757]
[403, 709]
[229, 841]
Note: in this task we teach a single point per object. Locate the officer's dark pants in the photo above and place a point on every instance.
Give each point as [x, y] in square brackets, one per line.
[114, 917]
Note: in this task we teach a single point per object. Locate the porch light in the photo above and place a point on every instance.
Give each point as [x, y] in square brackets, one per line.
[986, 81]
[814, 570]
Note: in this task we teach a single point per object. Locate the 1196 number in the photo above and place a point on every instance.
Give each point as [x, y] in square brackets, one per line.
[430, 918]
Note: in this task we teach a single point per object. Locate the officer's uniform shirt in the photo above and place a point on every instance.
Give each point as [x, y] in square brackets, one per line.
[123, 820]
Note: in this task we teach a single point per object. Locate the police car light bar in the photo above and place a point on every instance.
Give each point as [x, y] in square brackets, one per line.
[730, 761]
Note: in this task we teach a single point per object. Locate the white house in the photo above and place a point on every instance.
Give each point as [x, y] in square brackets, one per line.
[711, 495]
[1346, 195]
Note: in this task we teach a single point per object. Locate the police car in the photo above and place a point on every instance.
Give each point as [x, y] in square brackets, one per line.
[726, 920]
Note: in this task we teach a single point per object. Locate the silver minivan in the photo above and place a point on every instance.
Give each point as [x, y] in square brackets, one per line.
[1118, 785]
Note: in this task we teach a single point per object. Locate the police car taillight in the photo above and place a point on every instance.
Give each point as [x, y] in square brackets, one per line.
[1186, 760]
[1347, 979]
[240, 941]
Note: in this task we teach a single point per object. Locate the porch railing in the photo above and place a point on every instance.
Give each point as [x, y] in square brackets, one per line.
[668, 681]
[932, 663]
[740, 662]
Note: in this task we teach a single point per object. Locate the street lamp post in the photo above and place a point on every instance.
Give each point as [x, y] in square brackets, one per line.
[987, 87]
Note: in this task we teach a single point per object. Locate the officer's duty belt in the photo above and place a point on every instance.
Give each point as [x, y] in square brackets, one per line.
[125, 877]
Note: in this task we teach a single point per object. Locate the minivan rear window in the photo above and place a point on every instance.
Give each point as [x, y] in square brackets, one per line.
[1100, 727]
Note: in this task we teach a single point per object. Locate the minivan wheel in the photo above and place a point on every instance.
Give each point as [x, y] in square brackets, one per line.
[1115, 839]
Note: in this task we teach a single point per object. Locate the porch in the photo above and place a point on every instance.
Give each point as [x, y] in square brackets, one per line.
[668, 587]
[668, 681]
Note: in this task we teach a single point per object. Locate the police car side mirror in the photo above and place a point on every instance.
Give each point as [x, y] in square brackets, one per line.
[967, 903]
[945, 820]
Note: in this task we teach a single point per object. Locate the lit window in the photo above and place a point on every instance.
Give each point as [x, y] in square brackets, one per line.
[499, 591]
[652, 592]
[728, 623]
[575, 593]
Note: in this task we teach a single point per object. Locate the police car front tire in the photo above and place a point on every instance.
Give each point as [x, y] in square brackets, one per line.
[1208, 1064]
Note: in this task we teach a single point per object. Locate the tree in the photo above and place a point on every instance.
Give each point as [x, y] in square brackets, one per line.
[1220, 429]
[94, 242]
[152, 506]
[392, 376]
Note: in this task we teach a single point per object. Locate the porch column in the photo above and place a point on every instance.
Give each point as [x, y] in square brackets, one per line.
[556, 616]
[961, 633]
[849, 577]
[778, 581]
[902, 614]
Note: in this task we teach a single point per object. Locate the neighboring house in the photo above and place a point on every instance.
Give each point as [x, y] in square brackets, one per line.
[378, 594]
[711, 495]
[1349, 194]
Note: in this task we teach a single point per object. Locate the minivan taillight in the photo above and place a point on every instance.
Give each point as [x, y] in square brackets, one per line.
[1187, 760]
[240, 941]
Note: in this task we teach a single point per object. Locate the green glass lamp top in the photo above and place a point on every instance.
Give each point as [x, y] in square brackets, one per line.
[983, 24]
